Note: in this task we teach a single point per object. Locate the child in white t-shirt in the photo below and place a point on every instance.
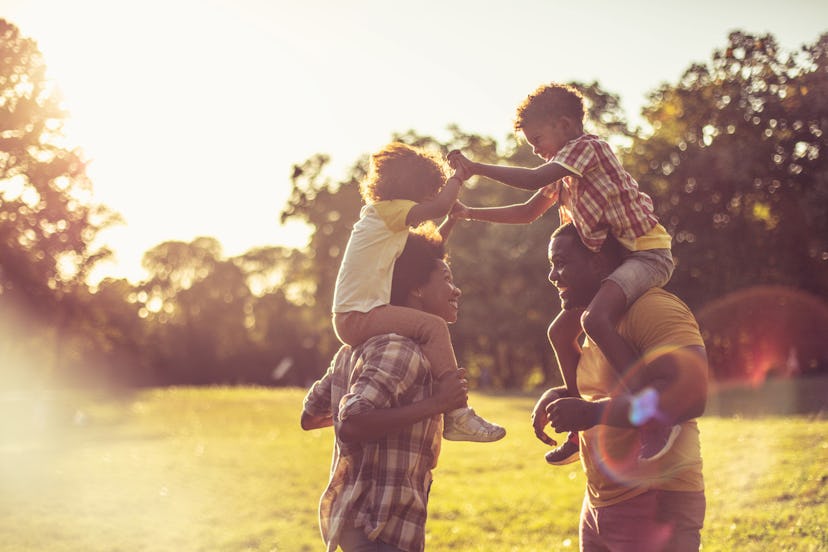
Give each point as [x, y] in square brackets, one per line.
[405, 187]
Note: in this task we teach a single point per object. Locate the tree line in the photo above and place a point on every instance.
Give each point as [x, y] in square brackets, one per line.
[733, 155]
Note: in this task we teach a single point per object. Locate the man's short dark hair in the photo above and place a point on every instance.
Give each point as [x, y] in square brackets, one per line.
[568, 229]
[424, 248]
[611, 248]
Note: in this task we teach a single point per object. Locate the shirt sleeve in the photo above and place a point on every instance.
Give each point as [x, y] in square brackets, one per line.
[390, 368]
[577, 156]
[394, 213]
[318, 400]
[660, 321]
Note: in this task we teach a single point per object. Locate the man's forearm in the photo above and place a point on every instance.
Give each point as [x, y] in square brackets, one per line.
[633, 411]
[375, 424]
[676, 391]
[309, 421]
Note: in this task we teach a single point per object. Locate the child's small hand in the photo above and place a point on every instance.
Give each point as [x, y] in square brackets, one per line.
[457, 160]
[459, 211]
[553, 191]
[462, 173]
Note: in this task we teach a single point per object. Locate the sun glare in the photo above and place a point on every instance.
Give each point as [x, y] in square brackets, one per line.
[178, 124]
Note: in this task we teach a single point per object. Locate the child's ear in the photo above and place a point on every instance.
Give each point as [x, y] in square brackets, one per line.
[566, 123]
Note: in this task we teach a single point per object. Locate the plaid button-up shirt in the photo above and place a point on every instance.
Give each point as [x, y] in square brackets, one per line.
[603, 197]
[381, 486]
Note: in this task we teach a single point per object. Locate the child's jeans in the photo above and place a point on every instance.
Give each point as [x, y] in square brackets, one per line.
[428, 330]
[642, 270]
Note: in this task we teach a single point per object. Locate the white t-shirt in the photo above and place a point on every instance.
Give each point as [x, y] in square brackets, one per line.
[377, 239]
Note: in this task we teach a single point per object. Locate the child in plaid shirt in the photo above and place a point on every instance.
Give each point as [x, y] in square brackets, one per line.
[592, 189]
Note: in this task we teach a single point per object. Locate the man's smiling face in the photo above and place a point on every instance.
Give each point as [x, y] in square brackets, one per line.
[574, 270]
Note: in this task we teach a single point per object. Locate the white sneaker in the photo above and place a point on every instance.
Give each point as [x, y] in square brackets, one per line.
[465, 425]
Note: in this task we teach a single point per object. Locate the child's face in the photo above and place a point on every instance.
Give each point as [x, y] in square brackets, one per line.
[548, 137]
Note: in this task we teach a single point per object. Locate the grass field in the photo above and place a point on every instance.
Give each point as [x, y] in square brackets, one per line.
[228, 469]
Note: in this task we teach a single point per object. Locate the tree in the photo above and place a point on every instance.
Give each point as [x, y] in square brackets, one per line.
[738, 169]
[737, 166]
[197, 303]
[331, 208]
[47, 220]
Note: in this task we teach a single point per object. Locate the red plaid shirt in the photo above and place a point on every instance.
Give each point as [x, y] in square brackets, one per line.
[603, 197]
[381, 486]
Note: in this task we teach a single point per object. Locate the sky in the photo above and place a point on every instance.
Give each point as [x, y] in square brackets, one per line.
[193, 112]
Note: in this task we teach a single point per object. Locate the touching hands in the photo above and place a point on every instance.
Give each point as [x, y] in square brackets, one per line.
[451, 391]
[460, 162]
[573, 414]
[555, 194]
[461, 172]
[459, 211]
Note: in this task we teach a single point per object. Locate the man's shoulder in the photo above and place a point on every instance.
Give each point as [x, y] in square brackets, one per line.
[401, 349]
[657, 300]
[386, 340]
[659, 314]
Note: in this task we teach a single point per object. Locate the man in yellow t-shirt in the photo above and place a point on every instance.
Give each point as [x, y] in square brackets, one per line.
[631, 505]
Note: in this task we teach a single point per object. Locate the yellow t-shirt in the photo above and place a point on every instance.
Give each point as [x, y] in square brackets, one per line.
[656, 238]
[377, 239]
[656, 323]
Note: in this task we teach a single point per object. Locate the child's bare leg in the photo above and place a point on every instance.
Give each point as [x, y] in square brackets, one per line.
[428, 330]
[563, 335]
[600, 321]
[460, 424]
[432, 334]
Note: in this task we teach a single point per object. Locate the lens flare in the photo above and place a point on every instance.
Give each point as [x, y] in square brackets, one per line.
[765, 331]
[644, 406]
[616, 449]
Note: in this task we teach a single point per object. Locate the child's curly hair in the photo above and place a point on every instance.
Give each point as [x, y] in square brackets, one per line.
[399, 171]
[550, 101]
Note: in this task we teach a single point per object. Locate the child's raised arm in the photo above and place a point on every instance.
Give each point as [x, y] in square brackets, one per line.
[516, 177]
[449, 222]
[441, 204]
[519, 213]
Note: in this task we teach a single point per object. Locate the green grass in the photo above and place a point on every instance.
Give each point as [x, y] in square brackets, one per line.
[230, 470]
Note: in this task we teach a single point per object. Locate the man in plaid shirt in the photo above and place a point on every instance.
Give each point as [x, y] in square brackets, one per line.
[387, 416]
